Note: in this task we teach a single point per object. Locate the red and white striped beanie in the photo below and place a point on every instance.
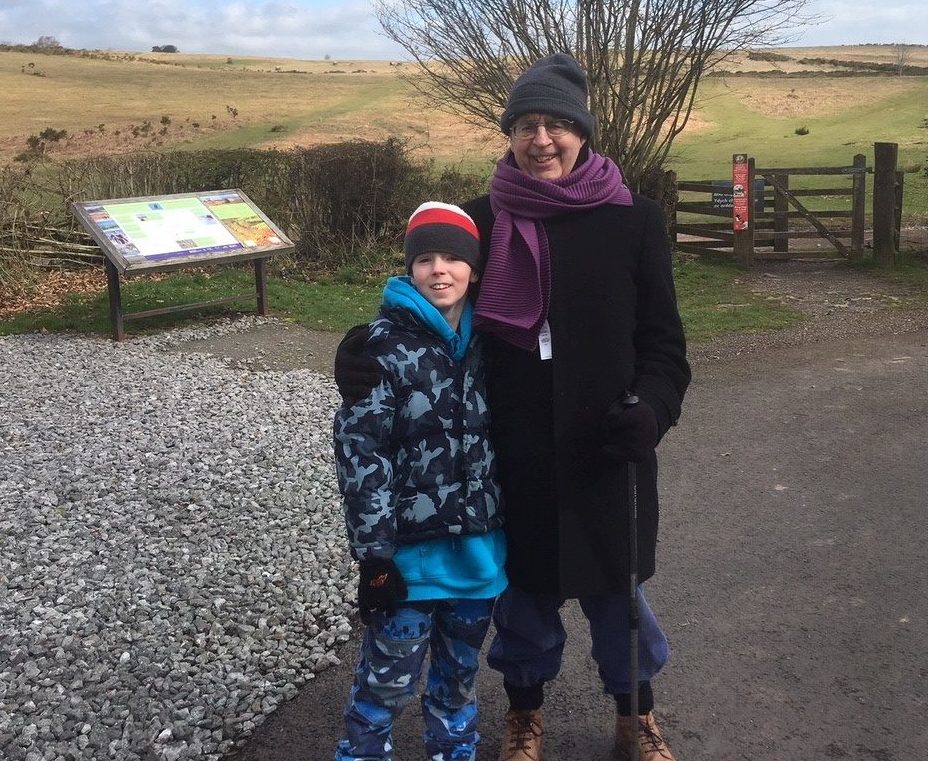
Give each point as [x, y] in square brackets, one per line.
[442, 228]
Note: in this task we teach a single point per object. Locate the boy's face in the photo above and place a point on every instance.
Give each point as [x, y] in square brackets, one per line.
[443, 280]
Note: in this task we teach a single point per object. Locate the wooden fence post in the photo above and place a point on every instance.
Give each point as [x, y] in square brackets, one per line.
[858, 207]
[781, 215]
[261, 285]
[884, 201]
[897, 226]
[661, 186]
[670, 204]
[116, 313]
[749, 253]
[743, 238]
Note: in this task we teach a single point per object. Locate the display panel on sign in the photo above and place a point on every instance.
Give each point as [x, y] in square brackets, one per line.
[164, 232]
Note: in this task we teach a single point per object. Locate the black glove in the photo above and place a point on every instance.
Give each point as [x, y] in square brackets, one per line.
[381, 586]
[356, 371]
[630, 431]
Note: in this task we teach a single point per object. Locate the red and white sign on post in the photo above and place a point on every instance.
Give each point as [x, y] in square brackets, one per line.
[740, 209]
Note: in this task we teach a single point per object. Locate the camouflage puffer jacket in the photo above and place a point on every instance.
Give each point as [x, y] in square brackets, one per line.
[414, 459]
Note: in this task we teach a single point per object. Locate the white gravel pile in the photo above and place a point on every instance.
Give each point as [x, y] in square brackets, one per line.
[172, 560]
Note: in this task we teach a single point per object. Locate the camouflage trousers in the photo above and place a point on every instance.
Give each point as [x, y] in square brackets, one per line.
[392, 655]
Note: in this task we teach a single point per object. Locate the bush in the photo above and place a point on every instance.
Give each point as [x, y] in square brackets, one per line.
[37, 145]
[16, 217]
[350, 201]
[344, 199]
[342, 204]
[767, 55]
[46, 41]
[149, 174]
[802, 130]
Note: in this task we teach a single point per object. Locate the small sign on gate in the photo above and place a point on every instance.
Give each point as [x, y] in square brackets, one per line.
[722, 195]
[740, 211]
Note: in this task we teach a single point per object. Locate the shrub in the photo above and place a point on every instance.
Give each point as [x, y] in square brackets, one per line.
[344, 199]
[37, 145]
[802, 130]
[342, 204]
[17, 215]
[767, 55]
[148, 174]
[46, 41]
[350, 201]
[52, 135]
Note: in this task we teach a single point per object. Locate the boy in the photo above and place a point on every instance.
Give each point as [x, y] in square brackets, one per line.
[422, 506]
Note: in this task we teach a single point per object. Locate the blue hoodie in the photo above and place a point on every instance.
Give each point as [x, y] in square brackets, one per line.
[451, 567]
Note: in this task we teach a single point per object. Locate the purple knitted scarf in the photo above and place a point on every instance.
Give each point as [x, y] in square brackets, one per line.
[515, 288]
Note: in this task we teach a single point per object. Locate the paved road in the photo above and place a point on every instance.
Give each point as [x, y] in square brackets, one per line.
[792, 576]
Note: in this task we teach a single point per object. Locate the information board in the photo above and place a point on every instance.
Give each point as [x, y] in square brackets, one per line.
[167, 232]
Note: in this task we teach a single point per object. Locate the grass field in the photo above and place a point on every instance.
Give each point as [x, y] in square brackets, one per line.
[706, 292]
[713, 301]
[327, 101]
[202, 101]
[844, 116]
[284, 102]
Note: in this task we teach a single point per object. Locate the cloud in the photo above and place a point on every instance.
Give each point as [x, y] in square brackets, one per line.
[852, 22]
[301, 29]
[315, 28]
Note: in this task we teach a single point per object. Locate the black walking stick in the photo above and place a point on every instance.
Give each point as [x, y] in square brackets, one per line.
[630, 400]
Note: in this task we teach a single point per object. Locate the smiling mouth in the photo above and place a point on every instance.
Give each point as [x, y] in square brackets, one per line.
[547, 158]
[440, 286]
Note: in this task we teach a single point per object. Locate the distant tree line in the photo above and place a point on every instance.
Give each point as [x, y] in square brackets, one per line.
[49, 44]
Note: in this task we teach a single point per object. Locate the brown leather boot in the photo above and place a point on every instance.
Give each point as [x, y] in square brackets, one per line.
[523, 736]
[651, 746]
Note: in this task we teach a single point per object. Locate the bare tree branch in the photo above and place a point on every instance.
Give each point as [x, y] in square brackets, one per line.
[644, 58]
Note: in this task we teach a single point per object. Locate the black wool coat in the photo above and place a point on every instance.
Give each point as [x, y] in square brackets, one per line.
[615, 326]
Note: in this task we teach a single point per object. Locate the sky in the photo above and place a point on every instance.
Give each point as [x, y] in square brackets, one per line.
[313, 29]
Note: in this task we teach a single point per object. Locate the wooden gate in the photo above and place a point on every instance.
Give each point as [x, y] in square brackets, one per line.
[788, 207]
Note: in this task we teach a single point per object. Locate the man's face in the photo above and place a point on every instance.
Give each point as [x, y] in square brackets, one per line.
[545, 156]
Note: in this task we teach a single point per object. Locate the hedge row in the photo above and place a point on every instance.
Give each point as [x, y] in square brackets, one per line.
[344, 203]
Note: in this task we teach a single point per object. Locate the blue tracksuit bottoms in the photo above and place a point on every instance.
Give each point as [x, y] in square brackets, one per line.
[392, 655]
[530, 637]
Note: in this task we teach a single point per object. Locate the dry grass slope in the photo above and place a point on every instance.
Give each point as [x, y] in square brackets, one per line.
[210, 100]
[157, 101]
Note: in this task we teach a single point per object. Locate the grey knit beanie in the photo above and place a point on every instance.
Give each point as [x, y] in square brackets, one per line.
[554, 85]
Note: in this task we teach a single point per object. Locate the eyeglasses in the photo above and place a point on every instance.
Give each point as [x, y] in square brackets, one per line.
[554, 128]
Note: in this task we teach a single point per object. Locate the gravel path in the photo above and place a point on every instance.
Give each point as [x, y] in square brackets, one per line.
[171, 555]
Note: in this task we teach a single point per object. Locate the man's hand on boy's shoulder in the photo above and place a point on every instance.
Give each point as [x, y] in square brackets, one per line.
[356, 371]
